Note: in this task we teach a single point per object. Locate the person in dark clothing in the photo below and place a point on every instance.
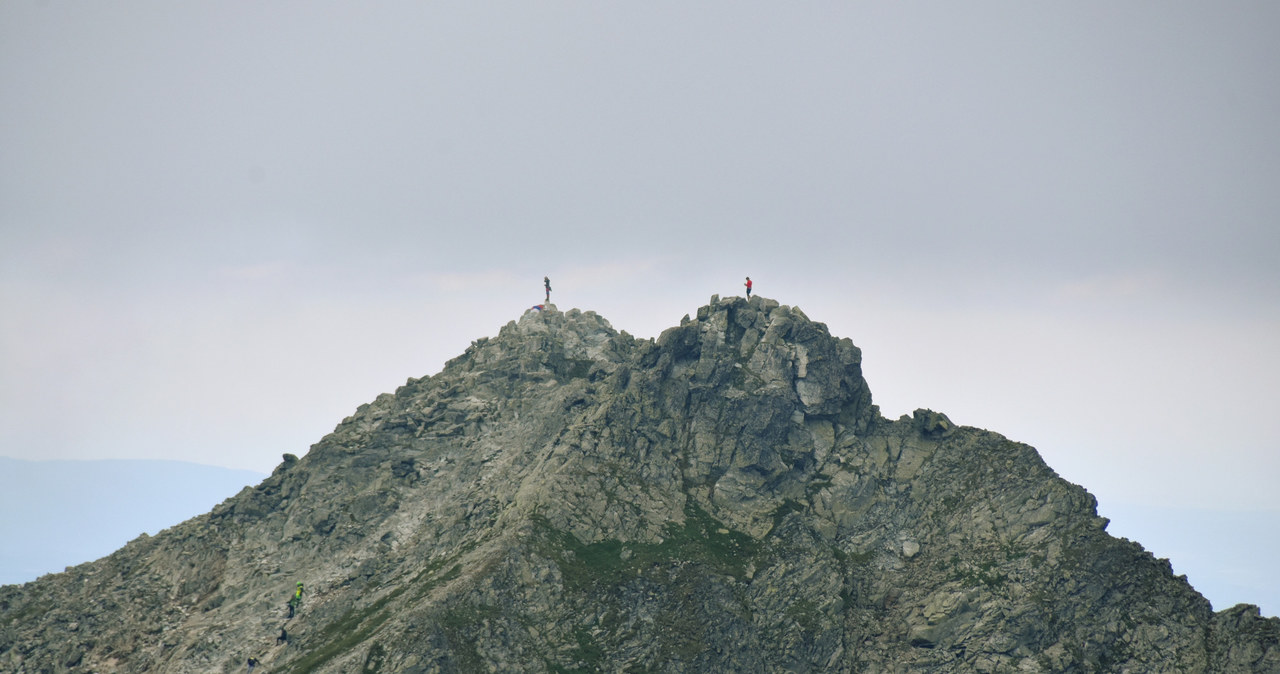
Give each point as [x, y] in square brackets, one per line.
[253, 662]
[283, 638]
[546, 282]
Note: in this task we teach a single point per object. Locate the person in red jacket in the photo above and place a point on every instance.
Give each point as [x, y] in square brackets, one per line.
[748, 285]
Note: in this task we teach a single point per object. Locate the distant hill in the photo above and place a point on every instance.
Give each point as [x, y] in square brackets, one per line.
[55, 514]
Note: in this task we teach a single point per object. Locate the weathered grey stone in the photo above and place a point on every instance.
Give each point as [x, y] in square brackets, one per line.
[910, 548]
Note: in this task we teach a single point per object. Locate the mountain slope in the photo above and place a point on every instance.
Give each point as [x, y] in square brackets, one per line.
[564, 497]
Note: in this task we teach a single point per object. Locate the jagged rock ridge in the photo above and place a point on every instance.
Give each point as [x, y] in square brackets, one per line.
[565, 497]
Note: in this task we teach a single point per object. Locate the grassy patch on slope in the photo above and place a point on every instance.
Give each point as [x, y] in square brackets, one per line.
[700, 539]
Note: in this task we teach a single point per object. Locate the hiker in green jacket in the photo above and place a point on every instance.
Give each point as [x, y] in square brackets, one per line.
[296, 600]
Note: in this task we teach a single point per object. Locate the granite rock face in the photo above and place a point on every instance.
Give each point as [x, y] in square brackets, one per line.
[567, 498]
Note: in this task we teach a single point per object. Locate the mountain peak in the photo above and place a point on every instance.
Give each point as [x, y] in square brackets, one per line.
[566, 497]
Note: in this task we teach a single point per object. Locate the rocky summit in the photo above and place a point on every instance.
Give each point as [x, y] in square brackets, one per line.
[567, 498]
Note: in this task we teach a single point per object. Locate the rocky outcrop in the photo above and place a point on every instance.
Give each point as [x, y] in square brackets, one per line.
[564, 497]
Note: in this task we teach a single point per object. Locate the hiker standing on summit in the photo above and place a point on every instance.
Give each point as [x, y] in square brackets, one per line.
[748, 285]
[546, 282]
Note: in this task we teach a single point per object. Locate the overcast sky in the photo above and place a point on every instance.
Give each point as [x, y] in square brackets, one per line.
[223, 226]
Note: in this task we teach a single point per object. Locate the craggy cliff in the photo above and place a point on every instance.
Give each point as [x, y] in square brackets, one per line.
[567, 498]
